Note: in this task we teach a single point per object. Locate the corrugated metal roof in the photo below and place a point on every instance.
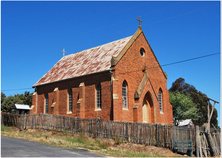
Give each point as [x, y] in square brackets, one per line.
[20, 106]
[184, 122]
[89, 61]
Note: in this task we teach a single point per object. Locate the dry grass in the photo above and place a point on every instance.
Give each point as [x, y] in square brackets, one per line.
[78, 141]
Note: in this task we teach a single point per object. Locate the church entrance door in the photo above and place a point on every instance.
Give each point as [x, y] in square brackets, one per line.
[148, 109]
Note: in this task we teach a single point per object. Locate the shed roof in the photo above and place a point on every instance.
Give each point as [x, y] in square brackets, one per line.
[23, 107]
[184, 122]
[85, 62]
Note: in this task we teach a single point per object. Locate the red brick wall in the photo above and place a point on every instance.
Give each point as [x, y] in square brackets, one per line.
[130, 68]
[61, 96]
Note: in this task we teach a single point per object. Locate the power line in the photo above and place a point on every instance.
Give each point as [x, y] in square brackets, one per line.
[16, 89]
[204, 56]
[190, 59]
[186, 60]
[182, 14]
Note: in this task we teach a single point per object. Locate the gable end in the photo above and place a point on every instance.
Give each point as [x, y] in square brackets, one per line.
[116, 59]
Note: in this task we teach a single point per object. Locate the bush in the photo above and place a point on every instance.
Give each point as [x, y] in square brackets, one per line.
[117, 141]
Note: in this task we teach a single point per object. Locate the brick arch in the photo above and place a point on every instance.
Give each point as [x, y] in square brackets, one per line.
[148, 108]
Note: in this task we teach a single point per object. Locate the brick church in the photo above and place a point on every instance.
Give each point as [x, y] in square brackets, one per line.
[120, 81]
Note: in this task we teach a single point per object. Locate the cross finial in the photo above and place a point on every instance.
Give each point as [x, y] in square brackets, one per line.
[63, 52]
[140, 27]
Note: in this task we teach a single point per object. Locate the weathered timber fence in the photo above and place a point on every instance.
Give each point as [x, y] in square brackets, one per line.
[210, 143]
[10, 119]
[142, 133]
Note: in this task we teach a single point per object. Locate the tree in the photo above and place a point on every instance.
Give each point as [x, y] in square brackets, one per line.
[183, 107]
[28, 98]
[3, 96]
[199, 99]
[7, 103]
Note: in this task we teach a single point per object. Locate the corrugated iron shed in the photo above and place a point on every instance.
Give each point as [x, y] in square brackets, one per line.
[86, 62]
[22, 107]
[184, 122]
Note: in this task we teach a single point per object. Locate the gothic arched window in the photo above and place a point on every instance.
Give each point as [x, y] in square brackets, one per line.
[124, 95]
[46, 103]
[98, 96]
[160, 100]
[70, 99]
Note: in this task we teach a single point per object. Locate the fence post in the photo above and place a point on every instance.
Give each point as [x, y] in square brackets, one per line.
[123, 132]
[75, 124]
[41, 120]
[97, 127]
[24, 122]
[197, 140]
[157, 134]
[50, 122]
[173, 128]
[57, 122]
[36, 121]
[143, 141]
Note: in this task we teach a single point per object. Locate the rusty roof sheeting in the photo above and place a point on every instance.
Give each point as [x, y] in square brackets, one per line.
[88, 61]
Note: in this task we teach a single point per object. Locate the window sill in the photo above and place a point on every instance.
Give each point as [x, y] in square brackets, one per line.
[69, 112]
[125, 109]
[161, 112]
[98, 109]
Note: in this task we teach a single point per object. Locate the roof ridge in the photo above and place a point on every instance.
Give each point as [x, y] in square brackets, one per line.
[97, 46]
[88, 61]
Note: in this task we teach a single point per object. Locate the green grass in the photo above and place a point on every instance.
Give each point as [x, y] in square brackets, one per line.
[6, 128]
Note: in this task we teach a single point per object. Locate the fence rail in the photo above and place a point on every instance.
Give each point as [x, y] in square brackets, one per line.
[142, 133]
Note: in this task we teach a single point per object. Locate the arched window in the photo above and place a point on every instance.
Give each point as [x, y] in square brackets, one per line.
[161, 100]
[142, 52]
[98, 96]
[46, 103]
[70, 99]
[124, 94]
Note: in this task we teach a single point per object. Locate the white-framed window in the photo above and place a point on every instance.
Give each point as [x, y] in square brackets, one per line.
[124, 95]
[70, 99]
[98, 96]
[46, 103]
[160, 100]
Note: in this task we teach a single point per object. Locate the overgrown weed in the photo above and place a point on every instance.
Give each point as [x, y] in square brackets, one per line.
[117, 141]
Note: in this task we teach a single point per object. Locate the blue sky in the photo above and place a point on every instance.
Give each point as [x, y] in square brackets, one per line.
[33, 35]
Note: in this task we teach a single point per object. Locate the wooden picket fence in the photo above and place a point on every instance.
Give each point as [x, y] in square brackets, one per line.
[142, 133]
[210, 143]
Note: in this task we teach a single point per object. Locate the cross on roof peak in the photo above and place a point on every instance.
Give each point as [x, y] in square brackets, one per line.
[63, 52]
[140, 27]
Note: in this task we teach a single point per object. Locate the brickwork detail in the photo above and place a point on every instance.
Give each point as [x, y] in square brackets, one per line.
[129, 66]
